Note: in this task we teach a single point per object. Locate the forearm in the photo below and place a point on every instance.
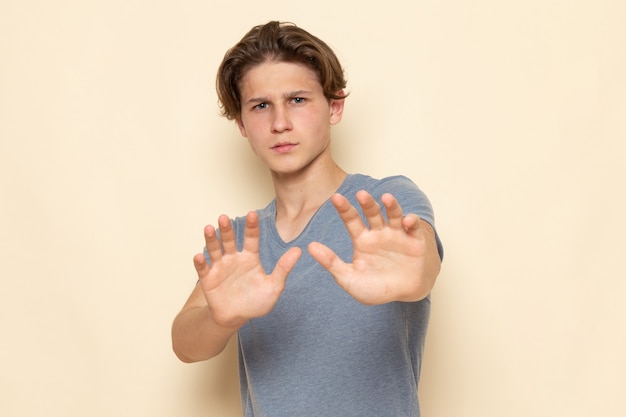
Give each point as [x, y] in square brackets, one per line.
[196, 336]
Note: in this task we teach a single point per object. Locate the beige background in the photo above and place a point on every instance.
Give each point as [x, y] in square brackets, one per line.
[511, 115]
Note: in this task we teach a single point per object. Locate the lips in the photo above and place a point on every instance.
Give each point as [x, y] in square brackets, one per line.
[284, 147]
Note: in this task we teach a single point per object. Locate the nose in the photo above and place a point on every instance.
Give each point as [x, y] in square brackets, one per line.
[281, 122]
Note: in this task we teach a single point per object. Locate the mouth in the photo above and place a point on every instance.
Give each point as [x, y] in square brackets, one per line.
[284, 147]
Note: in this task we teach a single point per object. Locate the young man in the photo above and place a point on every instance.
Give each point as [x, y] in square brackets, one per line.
[327, 291]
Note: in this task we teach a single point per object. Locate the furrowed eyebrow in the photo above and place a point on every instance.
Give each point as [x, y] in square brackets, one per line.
[254, 100]
[297, 93]
[291, 94]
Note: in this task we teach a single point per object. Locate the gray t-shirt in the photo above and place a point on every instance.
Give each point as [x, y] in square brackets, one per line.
[319, 352]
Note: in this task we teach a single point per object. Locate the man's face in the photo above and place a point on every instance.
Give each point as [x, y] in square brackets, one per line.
[285, 116]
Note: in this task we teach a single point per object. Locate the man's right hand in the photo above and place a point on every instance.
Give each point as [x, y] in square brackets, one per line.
[234, 283]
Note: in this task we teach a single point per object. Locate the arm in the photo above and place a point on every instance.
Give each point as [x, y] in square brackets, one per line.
[394, 259]
[231, 290]
[196, 335]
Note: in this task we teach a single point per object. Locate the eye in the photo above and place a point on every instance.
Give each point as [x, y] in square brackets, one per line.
[298, 100]
[260, 106]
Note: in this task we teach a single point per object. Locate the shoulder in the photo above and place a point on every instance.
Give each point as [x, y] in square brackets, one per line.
[392, 184]
[410, 197]
[266, 215]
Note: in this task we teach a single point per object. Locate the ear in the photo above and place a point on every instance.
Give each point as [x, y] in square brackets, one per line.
[336, 108]
[242, 128]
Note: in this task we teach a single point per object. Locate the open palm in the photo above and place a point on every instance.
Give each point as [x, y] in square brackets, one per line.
[235, 284]
[391, 257]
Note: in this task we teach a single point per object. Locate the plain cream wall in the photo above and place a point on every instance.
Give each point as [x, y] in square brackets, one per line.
[510, 115]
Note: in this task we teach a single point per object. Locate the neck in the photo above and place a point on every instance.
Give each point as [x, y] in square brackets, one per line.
[303, 193]
[298, 197]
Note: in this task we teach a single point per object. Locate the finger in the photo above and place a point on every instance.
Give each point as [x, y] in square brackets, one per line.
[252, 233]
[371, 210]
[349, 215]
[202, 268]
[412, 224]
[213, 246]
[328, 259]
[227, 234]
[393, 210]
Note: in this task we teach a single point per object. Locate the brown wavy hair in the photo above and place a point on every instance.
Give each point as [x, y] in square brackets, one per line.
[279, 42]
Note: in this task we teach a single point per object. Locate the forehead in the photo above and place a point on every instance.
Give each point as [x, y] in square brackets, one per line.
[278, 78]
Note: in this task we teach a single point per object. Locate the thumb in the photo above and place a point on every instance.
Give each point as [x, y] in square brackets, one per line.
[286, 263]
[328, 259]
